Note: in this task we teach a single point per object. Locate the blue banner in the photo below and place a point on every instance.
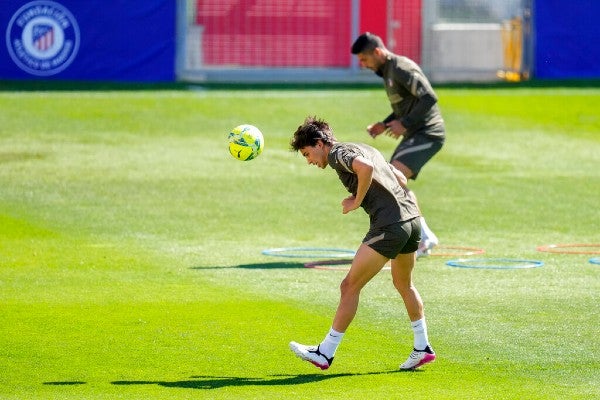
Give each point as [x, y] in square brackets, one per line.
[567, 39]
[111, 40]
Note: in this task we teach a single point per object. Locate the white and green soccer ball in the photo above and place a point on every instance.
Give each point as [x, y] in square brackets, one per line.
[246, 142]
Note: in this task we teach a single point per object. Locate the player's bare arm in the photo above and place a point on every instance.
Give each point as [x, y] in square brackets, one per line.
[363, 169]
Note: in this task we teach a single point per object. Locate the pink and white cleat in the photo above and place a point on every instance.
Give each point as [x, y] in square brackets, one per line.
[312, 355]
[418, 358]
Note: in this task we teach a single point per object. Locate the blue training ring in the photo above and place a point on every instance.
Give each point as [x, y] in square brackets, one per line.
[595, 260]
[309, 252]
[494, 263]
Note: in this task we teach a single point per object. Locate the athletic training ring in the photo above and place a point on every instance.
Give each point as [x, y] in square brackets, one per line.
[309, 252]
[494, 263]
[595, 260]
[455, 251]
[564, 248]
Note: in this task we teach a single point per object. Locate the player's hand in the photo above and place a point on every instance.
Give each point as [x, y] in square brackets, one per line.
[376, 129]
[349, 204]
[395, 129]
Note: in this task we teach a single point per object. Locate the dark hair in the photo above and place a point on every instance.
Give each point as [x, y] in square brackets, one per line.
[366, 43]
[310, 132]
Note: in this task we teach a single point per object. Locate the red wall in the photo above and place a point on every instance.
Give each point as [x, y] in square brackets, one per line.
[373, 15]
[275, 33]
[405, 36]
[300, 33]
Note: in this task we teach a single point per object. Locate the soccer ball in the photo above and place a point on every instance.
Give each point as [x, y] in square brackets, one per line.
[246, 142]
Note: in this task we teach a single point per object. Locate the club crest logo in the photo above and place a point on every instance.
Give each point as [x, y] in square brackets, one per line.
[42, 38]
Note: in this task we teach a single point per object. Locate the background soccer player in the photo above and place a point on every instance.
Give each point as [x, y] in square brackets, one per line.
[415, 115]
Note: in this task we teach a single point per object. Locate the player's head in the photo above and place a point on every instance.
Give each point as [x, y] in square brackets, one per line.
[310, 132]
[367, 43]
[370, 51]
[313, 139]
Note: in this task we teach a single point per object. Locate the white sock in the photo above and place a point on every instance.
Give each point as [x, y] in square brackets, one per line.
[331, 342]
[419, 328]
[426, 233]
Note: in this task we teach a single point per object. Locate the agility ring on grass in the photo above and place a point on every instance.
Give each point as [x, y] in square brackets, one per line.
[455, 251]
[309, 252]
[494, 263]
[595, 260]
[571, 248]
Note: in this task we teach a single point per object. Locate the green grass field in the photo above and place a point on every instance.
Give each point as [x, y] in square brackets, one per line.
[131, 265]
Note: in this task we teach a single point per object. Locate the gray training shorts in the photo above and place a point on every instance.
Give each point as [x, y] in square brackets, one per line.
[396, 238]
[415, 151]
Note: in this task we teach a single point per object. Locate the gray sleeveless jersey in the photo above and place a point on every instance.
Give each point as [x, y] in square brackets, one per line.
[386, 201]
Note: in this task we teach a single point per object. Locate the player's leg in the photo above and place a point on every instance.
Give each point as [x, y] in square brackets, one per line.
[402, 267]
[366, 264]
[409, 157]
[401, 272]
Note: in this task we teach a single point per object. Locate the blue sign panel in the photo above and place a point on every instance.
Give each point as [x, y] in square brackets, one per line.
[567, 39]
[88, 40]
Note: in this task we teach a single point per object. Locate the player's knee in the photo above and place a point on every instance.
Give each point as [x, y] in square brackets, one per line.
[403, 286]
[347, 287]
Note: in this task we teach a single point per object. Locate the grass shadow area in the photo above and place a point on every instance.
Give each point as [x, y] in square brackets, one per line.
[216, 382]
[269, 265]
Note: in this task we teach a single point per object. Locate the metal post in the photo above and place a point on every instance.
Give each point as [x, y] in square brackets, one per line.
[355, 31]
[181, 40]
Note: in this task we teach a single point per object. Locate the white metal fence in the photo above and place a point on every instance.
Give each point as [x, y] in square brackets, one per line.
[477, 40]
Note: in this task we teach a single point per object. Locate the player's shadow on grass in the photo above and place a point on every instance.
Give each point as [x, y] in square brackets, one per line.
[269, 265]
[217, 382]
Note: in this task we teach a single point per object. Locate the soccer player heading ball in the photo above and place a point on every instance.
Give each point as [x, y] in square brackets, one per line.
[394, 234]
